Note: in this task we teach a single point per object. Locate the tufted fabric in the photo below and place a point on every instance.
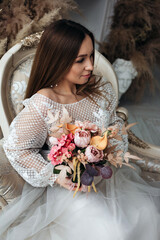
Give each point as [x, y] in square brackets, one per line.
[19, 81]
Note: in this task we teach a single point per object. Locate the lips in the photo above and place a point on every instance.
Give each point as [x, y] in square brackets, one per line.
[87, 76]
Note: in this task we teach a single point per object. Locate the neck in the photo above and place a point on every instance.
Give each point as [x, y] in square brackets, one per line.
[65, 89]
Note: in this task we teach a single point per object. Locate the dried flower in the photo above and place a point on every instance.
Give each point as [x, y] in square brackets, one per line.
[87, 125]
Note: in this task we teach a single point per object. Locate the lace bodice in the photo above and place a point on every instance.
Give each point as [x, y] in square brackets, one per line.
[30, 130]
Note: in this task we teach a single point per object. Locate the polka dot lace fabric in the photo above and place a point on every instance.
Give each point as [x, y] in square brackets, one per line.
[30, 130]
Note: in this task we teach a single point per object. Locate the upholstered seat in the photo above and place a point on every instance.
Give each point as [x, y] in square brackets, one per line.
[15, 68]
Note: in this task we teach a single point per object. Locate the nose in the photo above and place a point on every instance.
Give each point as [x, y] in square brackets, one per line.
[89, 65]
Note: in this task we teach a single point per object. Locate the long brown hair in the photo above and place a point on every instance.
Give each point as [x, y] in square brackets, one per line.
[55, 55]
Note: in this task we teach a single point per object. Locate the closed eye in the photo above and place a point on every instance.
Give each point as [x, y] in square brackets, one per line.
[83, 58]
[80, 61]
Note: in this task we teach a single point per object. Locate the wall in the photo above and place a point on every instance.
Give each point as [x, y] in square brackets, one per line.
[95, 15]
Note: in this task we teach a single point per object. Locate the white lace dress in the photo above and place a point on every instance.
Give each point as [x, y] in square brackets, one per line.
[125, 207]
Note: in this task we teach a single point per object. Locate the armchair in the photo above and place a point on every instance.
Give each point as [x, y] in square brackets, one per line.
[14, 72]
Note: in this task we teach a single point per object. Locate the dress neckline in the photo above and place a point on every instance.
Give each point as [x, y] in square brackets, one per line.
[62, 104]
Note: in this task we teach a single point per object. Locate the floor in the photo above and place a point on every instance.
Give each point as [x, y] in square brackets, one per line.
[147, 115]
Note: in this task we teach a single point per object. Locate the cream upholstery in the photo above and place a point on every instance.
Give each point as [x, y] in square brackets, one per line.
[10, 182]
[9, 62]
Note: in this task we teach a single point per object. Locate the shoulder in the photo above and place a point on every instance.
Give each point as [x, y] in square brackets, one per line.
[40, 102]
[47, 92]
[107, 88]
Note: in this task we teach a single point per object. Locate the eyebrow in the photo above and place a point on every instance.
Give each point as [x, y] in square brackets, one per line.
[84, 55]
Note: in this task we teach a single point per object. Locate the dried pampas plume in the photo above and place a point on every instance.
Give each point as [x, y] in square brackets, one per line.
[3, 44]
[20, 18]
[46, 19]
[135, 35]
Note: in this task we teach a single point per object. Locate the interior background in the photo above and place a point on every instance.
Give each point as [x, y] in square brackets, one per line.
[96, 15]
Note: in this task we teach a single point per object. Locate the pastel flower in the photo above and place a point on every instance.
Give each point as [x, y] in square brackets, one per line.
[87, 125]
[100, 142]
[70, 136]
[71, 127]
[55, 160]
[82, 138]
[62, 150]
[71, 146]
[55, 149]
[113, 130]
[62, 140]
[53, 141]
[93, 154]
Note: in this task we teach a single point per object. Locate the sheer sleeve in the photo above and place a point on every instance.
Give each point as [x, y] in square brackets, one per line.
[121, 144]
[28, 133]
[114, 119]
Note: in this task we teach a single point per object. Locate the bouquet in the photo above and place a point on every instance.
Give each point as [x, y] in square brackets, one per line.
[82, 151]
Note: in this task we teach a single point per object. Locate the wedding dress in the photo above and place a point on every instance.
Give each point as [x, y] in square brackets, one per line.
[124, 208]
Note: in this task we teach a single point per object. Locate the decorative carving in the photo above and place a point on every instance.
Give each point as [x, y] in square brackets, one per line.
[32, 40]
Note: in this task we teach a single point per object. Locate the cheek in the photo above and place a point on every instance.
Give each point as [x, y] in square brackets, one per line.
[77, 72]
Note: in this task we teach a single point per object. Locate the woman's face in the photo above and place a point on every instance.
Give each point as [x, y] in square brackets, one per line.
[82, 67]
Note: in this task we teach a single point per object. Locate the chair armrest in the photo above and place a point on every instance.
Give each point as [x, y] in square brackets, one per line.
[11, 184]
[122, 113]
[1, 134]
[149, 154]
[135, 143]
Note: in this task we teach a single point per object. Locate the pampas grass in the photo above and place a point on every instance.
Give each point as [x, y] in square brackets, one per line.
[20, 18]
[135, 35]
[46, 19]
[119, 49]
[3, 45]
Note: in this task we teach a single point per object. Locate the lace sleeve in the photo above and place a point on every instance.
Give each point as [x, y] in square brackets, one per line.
[114, 119]
[28, 133]
[123, 144]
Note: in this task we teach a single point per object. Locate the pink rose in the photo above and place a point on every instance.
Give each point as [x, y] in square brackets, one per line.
[93, 154]
[82, 138]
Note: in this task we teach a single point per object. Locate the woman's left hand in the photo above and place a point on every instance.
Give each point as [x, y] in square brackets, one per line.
[68, 184]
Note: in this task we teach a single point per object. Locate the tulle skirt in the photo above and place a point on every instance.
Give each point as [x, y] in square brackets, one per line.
[124, 208]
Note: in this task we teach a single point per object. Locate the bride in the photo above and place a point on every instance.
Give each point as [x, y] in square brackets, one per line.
[125, 207]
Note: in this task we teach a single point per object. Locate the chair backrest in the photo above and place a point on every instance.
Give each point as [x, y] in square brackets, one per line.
[19, 54]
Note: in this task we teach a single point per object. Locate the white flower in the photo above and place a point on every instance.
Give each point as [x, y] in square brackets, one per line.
[53, 140]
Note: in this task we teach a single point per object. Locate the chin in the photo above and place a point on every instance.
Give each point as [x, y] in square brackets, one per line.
[84, 82]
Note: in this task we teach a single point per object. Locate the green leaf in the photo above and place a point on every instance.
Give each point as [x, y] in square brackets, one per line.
[56, 171]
